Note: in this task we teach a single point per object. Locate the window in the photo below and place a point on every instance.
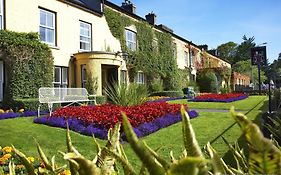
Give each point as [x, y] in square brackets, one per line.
[191, 54]
[186, 58]
[175, 50]
[47, 27]
[140, 78]
[85, 36]
[83, 76]
[60, 76]
[123, 76]
[131, 40]
[1, 15]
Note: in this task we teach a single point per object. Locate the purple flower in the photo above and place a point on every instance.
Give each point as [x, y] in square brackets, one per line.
[9, 115]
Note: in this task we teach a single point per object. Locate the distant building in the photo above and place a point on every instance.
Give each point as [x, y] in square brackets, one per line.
[240, 82]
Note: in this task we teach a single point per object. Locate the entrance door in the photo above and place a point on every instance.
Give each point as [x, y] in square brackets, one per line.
[1, 80]
[109, 76]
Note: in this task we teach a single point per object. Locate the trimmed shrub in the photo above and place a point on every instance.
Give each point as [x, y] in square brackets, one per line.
[207, 81]
[168, 93]
[28, 64]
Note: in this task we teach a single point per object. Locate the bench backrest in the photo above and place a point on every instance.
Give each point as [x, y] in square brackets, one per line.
[61, 95]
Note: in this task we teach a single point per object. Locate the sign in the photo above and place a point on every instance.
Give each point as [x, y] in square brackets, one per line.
[258, 55]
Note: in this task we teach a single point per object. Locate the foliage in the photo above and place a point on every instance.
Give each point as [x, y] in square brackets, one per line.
[207, 81]
[154, 62]
[227, 51]
[168, 93]
[126, 94]
[244, 49]
[156, 85]
[91, 83]
[25, 59]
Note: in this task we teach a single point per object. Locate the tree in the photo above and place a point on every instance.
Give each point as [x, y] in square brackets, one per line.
[228, 51]
[244, 49]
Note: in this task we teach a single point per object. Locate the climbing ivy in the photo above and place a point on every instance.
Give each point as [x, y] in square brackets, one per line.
[156, 62]
[28, 64]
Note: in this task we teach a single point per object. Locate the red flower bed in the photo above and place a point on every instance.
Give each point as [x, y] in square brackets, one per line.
[108, 115]
[220, 97]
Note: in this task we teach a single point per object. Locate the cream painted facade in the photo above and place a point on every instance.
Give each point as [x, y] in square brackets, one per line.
[24, 17]
[21, 16]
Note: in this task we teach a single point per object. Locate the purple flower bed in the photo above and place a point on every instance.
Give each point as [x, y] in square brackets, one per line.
[17, 114]
[100, 132]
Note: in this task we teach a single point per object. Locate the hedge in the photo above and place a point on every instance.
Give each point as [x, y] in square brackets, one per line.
[168, 93]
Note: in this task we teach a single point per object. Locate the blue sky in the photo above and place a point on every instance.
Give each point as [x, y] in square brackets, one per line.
[214, 22]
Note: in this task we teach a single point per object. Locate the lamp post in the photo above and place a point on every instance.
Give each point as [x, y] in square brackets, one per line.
[258, 56]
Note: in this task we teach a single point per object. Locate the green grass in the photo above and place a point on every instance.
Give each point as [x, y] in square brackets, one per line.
[21, 131]
[245, 104]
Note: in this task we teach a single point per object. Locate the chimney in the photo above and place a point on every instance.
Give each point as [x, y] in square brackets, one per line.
[129, 7]
[151, 18]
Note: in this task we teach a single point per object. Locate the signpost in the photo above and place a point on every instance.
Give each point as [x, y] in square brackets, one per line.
[258, 57]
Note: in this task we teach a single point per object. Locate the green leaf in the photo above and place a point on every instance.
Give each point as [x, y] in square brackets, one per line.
[70, 148]
[188, 165]
[190, 143]
[86, 167]
[146, 157]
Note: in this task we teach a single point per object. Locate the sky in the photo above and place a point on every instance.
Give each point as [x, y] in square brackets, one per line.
[215, 22]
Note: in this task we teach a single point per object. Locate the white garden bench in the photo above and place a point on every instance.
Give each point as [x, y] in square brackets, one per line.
[51, 95]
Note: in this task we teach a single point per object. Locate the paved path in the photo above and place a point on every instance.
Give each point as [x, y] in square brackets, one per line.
[216, 110]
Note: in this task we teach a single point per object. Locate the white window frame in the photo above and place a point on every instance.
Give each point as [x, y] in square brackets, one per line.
[186, 58]
[63, 78]
[131, 41]
[191, 54]
[140, 78]
[1, 14]
[50, 28]
[88, 28]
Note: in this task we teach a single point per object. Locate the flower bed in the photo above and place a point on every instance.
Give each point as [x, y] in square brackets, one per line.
[230, 97]
[8, 115]
[146, 118]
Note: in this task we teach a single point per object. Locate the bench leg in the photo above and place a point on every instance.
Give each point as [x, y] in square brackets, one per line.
[38, 113]
[50, 106]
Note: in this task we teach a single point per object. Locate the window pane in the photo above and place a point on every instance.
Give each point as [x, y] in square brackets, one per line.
[50, 36]
[57, 75]
[64, 75]
[50, 22]
[43, 17]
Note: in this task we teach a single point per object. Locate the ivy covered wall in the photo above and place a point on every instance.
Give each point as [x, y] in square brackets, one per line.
[28, 64]
[155, 61]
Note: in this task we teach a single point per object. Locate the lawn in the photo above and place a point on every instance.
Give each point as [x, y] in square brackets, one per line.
[244, 105]
[21, 131]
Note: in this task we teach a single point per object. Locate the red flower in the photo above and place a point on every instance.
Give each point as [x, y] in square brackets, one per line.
[108, 115]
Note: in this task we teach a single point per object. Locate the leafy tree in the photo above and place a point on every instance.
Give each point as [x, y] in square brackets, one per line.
[228, 51]
[244, 49]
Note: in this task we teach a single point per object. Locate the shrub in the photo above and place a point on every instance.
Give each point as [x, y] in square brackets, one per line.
[28, 64]
[168, 94]
[126, 94]
[207, 81]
